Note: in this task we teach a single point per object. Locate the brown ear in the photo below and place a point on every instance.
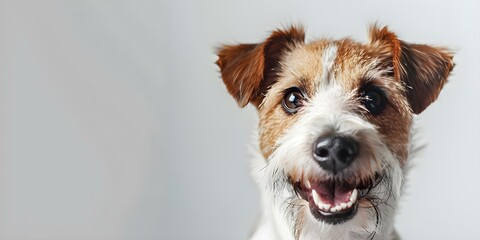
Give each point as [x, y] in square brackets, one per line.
[422, 68]
[249, 69]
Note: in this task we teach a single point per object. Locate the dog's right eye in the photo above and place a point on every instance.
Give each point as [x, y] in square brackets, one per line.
[374, 99]
[292, 100]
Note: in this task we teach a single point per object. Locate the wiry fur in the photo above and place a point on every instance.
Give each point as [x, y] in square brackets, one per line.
[326, 115]
[332, 74]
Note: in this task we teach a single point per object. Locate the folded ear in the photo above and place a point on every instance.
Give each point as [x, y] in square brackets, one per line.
[249, 69]
[422, 68]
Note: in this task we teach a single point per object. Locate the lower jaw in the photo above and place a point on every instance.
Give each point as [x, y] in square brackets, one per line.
[333, 218]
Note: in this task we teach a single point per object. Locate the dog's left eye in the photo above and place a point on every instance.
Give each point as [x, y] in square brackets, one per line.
[292, 100]
[374, 99]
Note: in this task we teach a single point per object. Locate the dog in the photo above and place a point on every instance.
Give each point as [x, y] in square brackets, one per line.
[335, 127]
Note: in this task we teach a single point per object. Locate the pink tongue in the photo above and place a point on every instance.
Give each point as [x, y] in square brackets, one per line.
[334, 195]
[342, 196]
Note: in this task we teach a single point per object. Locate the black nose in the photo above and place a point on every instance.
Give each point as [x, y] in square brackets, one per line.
[334, 153]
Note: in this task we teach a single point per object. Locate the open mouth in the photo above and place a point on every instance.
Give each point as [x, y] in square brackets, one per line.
[333, 201]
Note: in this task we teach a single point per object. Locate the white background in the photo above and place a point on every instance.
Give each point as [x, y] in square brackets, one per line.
[114, 123]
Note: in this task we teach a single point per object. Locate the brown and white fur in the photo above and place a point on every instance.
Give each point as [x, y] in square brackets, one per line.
[368, 93]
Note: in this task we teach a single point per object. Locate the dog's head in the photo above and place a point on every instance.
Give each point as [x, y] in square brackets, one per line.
[335, 120]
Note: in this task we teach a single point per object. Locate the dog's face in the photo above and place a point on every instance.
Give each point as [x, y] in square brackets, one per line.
[335, 120]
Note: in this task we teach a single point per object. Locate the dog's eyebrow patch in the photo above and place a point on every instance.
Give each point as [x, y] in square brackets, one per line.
[369, 80]
[307, 86]
[385, 83]
[376, 71]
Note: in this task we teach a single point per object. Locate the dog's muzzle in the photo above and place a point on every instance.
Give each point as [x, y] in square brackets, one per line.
[334, 200]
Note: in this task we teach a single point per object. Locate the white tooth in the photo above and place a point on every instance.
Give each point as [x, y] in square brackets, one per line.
[326, 206]
[349, 204]
[316, 198]
[307, 184]
[343, 205]
[354, 195]
[333, 209]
